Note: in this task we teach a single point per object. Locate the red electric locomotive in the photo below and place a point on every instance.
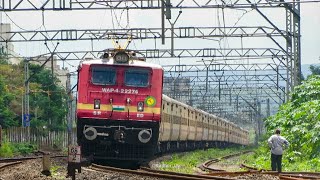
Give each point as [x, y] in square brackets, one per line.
[119, 106]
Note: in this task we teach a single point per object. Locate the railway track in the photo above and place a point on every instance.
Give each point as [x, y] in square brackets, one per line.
[7, 160]
[4, 165]
[298, 175]
[146, 172]
[206, 165]
[254, 171]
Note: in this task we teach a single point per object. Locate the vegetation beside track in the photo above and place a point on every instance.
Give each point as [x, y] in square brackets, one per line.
[48, 107]
[187, 162]
[299, 121]
[9, 149]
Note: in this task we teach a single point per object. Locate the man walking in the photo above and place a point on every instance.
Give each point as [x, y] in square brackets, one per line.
[276, 143]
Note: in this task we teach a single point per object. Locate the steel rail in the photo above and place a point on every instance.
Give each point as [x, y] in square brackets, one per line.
[4, 160]
[307, 175]
[206, 165]
[157, 173]
[10, 164]
[273, 173]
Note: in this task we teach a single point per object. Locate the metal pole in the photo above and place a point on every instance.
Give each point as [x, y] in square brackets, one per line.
[268, 107]
[162, 22]
[26, 98]
[207, 78]
[172, 40]
[22, 109]
[297, 42]
[69, 117]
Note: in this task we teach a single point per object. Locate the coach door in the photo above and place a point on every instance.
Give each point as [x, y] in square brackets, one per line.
[184, 124]
[175, 122]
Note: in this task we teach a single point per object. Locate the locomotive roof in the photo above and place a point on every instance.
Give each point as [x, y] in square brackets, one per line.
[110, 61]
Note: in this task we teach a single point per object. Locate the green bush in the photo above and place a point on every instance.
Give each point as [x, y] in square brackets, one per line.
[23, 148]
[299, 121]
[6, 150]
[14, 149]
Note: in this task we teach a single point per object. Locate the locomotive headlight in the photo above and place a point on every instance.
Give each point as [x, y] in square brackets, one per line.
[90, 133]
[140, 106]
[145, 135]
[96, 104]
[121, 57]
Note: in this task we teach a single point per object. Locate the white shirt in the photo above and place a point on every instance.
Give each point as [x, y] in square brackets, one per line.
[276, 143]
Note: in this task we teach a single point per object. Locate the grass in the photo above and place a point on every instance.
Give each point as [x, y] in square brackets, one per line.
[8, 149]
[187, 162]
[55, 172]
[262, 159]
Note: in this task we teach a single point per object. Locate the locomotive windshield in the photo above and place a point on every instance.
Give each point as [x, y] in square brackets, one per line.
[103, 76]
[137, 78]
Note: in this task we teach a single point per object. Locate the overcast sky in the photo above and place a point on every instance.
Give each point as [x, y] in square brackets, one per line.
[106, 19]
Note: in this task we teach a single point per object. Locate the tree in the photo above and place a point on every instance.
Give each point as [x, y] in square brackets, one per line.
[6, 114]
[299, 119]
[48, 100]
[315, 70]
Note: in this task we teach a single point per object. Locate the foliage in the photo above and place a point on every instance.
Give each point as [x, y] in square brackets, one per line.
[299, 121]
[55, 172]
[261, 159]
[23, 148]
[186, 162]
[6, 150]
[315, 70]
[9, 149]
[47, 99]
[6, 114]
[50, 96]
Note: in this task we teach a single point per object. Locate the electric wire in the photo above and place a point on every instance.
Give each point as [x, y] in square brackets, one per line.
[18, 26]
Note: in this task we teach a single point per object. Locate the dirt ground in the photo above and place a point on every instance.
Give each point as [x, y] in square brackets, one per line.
[31, 170]
[227, 165]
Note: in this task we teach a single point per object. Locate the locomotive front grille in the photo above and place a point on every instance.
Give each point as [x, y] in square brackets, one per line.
[118, 140]
[120, 134]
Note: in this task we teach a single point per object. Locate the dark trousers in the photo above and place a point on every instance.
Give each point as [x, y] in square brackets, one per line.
[276, 162]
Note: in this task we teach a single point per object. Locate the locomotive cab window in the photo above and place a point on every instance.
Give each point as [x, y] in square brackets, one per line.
[137, 78]
[103, 76]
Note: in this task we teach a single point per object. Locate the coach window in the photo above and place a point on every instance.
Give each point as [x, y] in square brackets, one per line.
[103, 76]
[137, 78]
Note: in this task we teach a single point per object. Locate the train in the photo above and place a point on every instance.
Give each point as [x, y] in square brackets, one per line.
[123, 115]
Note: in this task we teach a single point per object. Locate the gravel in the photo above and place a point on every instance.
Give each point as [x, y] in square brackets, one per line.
[31, 169]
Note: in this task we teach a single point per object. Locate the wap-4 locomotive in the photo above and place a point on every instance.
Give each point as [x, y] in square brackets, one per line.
[122, 114]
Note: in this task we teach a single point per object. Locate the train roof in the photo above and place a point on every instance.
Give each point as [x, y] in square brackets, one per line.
[110, 61]
[167, 98]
